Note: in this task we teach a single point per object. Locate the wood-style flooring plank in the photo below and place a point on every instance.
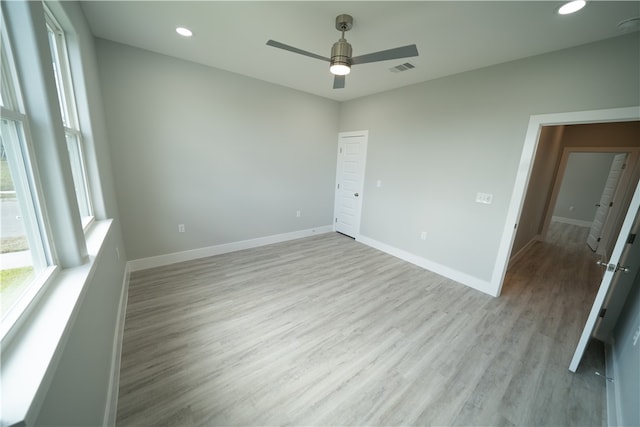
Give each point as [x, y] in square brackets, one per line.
[327, 331]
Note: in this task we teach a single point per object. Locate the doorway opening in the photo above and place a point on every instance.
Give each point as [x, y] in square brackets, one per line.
[546, 139]
[543, 194]
[587, 186]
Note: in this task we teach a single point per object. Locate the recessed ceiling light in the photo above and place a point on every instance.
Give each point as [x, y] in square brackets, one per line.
[571, 7]
[184, 31]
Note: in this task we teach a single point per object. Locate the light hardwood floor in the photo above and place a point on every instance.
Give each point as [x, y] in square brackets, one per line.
[326, 331]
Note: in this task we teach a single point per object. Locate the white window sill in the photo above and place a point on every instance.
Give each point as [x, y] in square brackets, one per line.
[87, 223]
[30, 356]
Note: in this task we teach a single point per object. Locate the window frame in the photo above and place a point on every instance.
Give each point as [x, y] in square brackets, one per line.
[69, 111]
[21, 162]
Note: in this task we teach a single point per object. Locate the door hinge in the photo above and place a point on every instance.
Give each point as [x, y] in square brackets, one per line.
[336, 220]
[610, 204]
[602, 312]
[338, 186]
[598, 239]
[340, 150]
[631, 239]
[624, 166]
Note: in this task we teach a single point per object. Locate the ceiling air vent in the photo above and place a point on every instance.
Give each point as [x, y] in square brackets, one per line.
[402, 67]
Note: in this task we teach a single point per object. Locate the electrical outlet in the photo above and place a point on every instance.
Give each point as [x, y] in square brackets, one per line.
[379, 183]
[180, 228]
[297, 214]
[484, 198]
[423, 235]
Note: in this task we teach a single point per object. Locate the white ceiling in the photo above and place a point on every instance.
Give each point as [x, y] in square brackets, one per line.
[452, 36]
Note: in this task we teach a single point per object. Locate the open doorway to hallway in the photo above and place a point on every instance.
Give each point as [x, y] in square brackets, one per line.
[570, 169]
[575, 166]
[550, 259]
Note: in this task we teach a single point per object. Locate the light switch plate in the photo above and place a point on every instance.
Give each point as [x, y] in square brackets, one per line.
[484, 198]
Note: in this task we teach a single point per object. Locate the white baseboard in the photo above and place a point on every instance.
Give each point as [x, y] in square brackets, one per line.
[161, 260]
[523, 250]
[116, 355]
[610, 391]
[449, 273]
[614, 411]
[571, 221]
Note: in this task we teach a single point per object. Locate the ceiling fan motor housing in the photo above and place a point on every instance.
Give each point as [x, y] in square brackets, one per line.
[341, 53]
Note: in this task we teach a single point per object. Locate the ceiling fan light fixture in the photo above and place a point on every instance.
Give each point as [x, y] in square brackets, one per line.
[340, 69]
[340, 58]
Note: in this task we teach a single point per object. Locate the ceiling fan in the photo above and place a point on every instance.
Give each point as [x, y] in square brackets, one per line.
[341, 59]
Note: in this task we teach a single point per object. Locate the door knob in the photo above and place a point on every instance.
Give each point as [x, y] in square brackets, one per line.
[613, 267]
[621, 268]
[356, 194]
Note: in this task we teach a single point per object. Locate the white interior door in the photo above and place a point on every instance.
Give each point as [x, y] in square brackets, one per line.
[606, 200]
[620, 258]
[620, 286]
[352, 154]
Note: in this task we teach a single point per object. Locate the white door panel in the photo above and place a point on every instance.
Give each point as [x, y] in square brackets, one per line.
[606, 200]
[352, 152]
[623, 255]
[619, 289]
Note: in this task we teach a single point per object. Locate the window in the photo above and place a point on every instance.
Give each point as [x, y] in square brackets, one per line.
[38, 179]
[66, 99]
[23, 250]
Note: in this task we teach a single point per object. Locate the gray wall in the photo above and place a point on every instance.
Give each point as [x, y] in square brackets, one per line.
[543, 176]
[626, 357]
[230, 157]
[436, 144]
[77, 394]
[582, 185]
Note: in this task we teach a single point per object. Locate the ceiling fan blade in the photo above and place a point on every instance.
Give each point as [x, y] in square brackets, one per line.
[296, 50]
[338, 82]
[385, 55]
